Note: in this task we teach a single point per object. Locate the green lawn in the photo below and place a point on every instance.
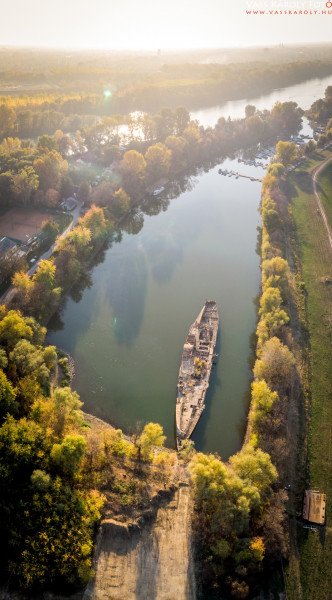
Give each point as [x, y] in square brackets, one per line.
[315, 558]
[325, 190]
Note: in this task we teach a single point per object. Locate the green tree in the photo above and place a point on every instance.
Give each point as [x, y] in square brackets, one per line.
[254, 467]
[120, 203]
[50, 168]
[62, 411]
[14, 327]
[132, 167]
[275, 365]
[8, 403]
[94, 220]
[152, 435]
[158, 159]
[84, 192]
[25, 182]
[67, 455]
[262, 401]
[286, 153]
[275, 272]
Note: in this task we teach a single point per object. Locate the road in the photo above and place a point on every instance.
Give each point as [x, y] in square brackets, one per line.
[316, 174]
[8, 295]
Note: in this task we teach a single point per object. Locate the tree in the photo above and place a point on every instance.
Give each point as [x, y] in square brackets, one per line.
[14, 327]
[94, 220]
[50, 168]
[286, 117]
[152, 435]
[158, 160]
[7, 120]
[286, 153]
[25, 182]
[3, 358]
[84, 192]
[328, 92]
[68, 454]
[6, 188]
[51, 198]
[275, 272]
[254, 467]
[45, 273]
[77, 240]
[262, 400]
[62, 411]
[275, 365]
[132, 167]
[249, 110]
[276, 169]
[120, 203]
[24, 286]
[182, 119]
[47, 142]
[8, 403]
[103, 194]
[177, 146]
[50, 229]
[270, 300]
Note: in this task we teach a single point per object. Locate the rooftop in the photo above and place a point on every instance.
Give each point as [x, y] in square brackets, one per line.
[314, 507]
[6, 244]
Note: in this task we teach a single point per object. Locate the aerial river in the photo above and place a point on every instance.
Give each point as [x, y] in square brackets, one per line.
[126, 330]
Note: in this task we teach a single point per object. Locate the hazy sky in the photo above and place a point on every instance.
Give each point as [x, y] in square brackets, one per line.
[157, 23]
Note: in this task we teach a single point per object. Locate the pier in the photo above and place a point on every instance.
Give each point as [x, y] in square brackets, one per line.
[236, 174]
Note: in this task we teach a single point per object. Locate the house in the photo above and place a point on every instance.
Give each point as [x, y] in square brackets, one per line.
[314, 507]
[8, 251]
[69, 204]
[7, 248]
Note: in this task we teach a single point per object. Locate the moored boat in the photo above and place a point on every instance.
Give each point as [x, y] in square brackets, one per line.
[194, 376]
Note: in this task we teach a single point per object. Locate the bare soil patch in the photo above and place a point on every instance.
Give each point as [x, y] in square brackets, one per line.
[22, 223]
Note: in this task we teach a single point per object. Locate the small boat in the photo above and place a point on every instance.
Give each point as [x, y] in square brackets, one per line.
[198, 356]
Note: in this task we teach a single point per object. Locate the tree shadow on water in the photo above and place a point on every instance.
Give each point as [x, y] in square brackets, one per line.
[127, 293]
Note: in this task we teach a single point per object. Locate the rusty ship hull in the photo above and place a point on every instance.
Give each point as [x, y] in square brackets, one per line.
[194, 376]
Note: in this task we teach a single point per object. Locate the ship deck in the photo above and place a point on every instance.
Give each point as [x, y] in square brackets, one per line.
[195, 370]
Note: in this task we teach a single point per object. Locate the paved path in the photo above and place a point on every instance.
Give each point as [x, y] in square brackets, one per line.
[321, 209]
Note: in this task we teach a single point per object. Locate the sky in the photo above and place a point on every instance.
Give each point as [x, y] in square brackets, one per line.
[165, 24]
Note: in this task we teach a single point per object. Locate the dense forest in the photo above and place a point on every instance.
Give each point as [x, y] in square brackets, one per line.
[56, 472]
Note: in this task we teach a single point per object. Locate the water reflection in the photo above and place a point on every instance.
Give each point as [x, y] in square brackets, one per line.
[126, 291]
[165, 252]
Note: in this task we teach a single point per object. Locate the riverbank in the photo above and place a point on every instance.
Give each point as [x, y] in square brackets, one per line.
[312, 550]
[152, 554]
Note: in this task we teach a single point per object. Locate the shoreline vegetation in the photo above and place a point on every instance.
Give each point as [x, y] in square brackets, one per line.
[119, 204]
[61, 471]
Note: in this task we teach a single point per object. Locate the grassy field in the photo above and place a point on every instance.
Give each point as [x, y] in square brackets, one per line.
[315, 549]
[325, 190]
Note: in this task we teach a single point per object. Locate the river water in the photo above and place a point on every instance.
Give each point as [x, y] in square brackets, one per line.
[126, 330]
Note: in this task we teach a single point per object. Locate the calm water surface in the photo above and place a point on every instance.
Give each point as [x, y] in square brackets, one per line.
[127, 331]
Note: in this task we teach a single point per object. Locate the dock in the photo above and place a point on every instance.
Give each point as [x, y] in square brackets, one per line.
[236, 174]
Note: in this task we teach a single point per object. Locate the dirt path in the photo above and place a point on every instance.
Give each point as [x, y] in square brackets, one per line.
[152, 561]
[316, 173]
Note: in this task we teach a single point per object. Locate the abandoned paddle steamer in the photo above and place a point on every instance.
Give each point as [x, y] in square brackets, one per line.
[197, 359]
